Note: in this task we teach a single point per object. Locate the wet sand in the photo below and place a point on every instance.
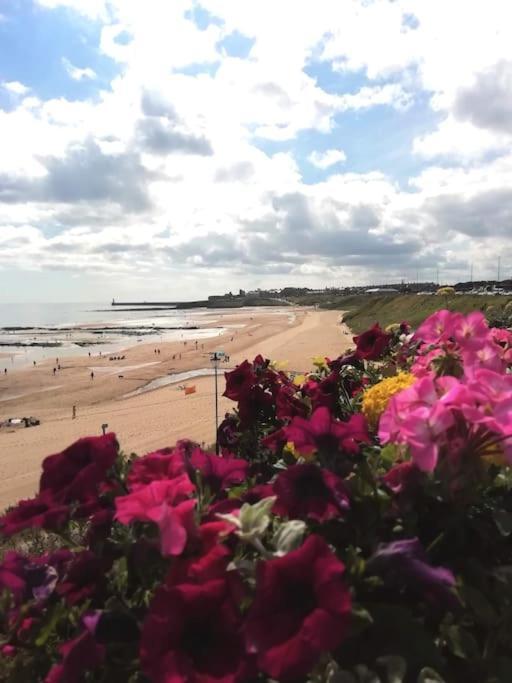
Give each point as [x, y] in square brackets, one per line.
[154, 419]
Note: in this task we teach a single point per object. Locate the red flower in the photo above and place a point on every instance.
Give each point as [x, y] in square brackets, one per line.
[192, 635]
[325, 434]
[166, 503]
[218, 473]
[300, 610]
[36, 513]
[372, 344]
[80, 655]
[309, 492]
[239, 380]
[76, 473]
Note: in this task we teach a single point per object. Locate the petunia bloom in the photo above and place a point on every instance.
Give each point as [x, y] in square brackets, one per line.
[76, 473]
[166, 503]
[307, 491]
[372, 344]
[192, 635]
[322, 433]
[405, 563]
[239, 380]
[300, 610]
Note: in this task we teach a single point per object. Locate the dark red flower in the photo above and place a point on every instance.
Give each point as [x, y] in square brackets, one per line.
[84, 578]
[309, 492]
[76, 473]
[300, 610]
[239, 380]
[228, 433]
[13, 575]
[288, 404]
[322, 433]
[256, 404]
[324, 393]
[80, 655]
[347, 359]
[41, 512]
[401, 476]
[192, 635]
[372, 344]
[218, 473]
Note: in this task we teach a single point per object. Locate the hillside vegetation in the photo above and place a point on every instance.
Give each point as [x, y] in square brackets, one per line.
[364, 311]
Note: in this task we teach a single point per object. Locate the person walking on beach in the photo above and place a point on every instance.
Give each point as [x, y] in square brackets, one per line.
[92, 374]
[34, 363]
[54, 371]
[5, 371]
[74, 413]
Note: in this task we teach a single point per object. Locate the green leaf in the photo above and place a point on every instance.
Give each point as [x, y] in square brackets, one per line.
[462, 643]
[428, 675]
[289, 536]
[503, 520]
[484, 612]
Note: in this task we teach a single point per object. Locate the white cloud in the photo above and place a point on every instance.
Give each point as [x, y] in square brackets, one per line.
[163, 175]
[76, 73]
[328, 158]
[15, 87]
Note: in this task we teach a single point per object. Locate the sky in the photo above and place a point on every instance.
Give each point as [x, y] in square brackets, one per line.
[182, 148]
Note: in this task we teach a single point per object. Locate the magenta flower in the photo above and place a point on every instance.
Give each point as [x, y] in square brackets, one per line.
[192, 635]
[165, 503]
[166, 463]
[218, 473]
[323, 433]
[301, 609]
[310, 492]
[80, 655]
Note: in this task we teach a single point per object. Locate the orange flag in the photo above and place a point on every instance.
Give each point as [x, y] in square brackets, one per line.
[190, 390]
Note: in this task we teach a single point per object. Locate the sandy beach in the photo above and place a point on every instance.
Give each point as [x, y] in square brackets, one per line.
[155, 418]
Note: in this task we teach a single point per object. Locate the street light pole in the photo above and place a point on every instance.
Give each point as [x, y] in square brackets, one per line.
[215, 358]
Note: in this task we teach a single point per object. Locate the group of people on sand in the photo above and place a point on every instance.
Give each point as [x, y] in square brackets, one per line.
[117, 357]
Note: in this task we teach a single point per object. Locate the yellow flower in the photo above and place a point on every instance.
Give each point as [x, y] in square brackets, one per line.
[320, 362]
[291, 450]
[298, 380]
[376, 398]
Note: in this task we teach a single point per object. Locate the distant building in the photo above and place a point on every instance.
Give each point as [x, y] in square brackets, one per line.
[382, 290]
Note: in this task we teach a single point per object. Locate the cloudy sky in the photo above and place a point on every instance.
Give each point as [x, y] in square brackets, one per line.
[181, 148]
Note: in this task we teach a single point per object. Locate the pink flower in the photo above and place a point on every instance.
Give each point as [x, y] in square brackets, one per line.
[471, 331]
[167, 504]
[438, 327]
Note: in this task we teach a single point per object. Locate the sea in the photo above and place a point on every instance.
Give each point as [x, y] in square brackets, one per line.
[34, 332]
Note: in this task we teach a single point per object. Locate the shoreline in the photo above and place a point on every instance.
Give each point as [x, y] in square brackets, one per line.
[152, 419]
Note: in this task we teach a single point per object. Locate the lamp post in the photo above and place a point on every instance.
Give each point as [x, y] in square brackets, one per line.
[215, 358]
